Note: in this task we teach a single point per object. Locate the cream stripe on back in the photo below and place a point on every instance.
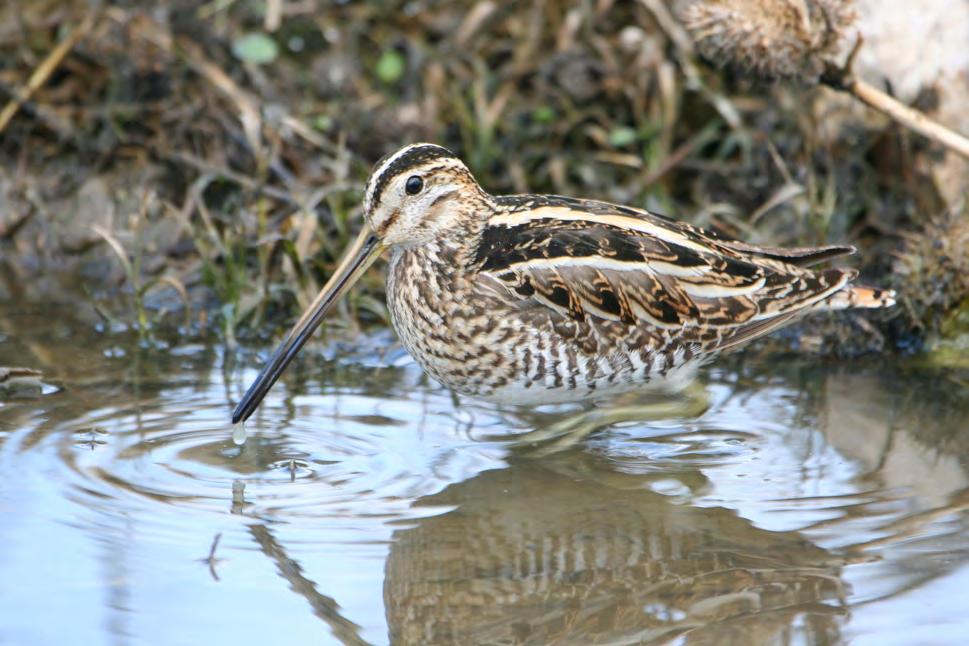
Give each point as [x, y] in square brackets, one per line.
[621, 221]
[699, 289]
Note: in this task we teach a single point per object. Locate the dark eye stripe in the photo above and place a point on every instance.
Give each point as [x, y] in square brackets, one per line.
[443, 196]
[389, 222]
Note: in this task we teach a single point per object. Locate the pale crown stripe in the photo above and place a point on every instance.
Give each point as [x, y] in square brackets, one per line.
[439, 163]
[368, 198]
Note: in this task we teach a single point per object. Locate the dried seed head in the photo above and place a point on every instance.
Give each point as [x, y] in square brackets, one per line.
[771, 39]
[932, 268]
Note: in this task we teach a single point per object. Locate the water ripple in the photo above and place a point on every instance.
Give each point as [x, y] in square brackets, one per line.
[799, 504]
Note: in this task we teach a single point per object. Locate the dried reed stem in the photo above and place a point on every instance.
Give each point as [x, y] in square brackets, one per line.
[798, 40]
[45, 69]
[903, 114]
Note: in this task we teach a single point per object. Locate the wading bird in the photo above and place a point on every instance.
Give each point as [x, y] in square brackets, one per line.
[533, 299]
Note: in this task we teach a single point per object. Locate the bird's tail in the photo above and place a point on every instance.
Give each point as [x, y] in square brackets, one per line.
[858, 296]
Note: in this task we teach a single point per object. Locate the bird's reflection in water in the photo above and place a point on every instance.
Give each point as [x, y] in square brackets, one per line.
[571, 550]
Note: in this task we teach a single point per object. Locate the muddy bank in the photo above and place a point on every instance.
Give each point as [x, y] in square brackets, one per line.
[211, 159]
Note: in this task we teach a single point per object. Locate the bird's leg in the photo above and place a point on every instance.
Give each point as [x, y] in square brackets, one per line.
[691, 402]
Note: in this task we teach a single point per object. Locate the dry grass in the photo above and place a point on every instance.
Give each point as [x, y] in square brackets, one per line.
[773, 39]
[932, 269]
[257, 168]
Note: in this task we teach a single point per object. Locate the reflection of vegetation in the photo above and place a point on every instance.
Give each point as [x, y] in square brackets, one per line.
[562, 432]
[19, 381]
[324, 607]
[256, 128]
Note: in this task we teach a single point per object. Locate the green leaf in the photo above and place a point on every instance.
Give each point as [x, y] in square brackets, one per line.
[622, 136]
[323, 122]
[544, 114]
[255, 48]
[390, 66]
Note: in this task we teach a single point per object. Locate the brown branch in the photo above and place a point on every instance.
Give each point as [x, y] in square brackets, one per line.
[907, 116]
[841, 77]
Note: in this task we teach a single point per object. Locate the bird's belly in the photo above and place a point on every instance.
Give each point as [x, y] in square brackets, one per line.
[499, 374]
[523, 392]
[496, 356]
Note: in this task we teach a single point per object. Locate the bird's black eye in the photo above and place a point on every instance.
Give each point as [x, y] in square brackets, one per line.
[414, 185]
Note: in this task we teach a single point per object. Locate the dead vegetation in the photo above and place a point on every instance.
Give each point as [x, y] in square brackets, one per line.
[207, 158]
[772, 40]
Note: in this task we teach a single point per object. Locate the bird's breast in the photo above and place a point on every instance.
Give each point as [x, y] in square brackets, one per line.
[458, 337]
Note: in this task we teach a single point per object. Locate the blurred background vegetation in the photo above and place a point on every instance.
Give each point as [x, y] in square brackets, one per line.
[200, 164]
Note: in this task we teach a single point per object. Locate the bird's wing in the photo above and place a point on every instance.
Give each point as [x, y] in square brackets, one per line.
[586, 260]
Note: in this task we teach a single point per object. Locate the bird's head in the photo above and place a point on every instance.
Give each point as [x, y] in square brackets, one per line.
[415, 195]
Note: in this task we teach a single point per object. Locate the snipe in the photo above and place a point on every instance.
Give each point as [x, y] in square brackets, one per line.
[542, 299]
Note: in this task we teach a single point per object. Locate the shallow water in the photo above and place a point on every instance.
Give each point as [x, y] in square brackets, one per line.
[808, 505]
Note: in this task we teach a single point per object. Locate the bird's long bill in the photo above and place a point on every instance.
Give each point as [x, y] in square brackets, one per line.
[365, 249]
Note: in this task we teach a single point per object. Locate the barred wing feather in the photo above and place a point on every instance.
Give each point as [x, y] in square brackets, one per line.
[592, 262]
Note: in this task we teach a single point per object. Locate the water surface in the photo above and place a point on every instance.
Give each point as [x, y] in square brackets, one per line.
[810, 504]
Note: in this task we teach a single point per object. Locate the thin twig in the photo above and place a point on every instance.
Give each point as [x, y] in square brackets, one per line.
[841, 77]
[684, 45]
[245, 181]
[682, 151]
[45, 69]
[43, 115]
[907, 116]
[247, 105]
[783, 194]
